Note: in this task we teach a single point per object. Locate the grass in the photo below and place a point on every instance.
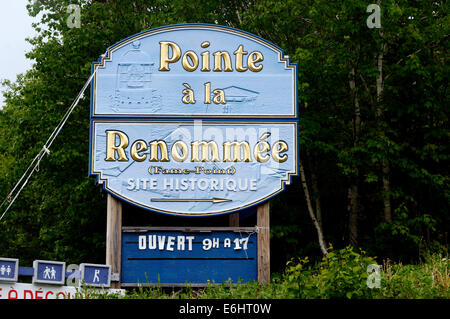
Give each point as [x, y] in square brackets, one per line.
[342, 274]
[426, 280]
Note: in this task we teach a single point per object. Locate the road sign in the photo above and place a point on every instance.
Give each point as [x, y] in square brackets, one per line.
[9, 269]
[49, 272]
[95, 275]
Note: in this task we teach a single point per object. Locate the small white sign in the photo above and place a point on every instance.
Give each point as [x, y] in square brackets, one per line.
[32, 291]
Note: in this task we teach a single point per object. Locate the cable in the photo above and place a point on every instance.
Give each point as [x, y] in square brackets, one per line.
[34, 165]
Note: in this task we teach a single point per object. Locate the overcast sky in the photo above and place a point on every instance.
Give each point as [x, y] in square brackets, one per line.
[15, 26]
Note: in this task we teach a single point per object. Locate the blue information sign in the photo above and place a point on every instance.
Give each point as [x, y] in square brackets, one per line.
[9, 269]
[49, 272]
[174, 256]
[194, 120]
[95, 275]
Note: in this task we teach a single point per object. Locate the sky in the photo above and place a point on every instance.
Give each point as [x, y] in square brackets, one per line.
[15, 26]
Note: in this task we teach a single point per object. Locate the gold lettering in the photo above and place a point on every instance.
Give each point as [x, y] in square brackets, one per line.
[277, 148]
[154, 145]
[219, 97]
[205, 57]
[258, 151]
[164, 55]
[253, 58]
[239, 61]
[218, 57]
[188, 97]
[170, 52]
[193, 57]
[183, 148]
[201, 151]
[138, 147]
[111, 147]
[208, 93]
[205, 146]
[238, 147]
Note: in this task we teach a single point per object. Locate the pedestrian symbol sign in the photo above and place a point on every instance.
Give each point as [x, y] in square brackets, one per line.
[49, 272]
[95, 275]
[9, 269]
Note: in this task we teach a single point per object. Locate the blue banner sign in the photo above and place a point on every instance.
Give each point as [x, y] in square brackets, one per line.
[194, 120]
[9, 269]
[49, 272]
[175, 256]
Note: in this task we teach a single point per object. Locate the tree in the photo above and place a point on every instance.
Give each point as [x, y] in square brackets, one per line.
[61, 212]
[373, 122]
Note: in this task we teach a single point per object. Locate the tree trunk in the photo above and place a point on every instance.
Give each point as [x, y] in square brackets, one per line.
[353, 190]
[378, 113]
[317, 225]
[353, 206]
[315, 189]
[386, 190]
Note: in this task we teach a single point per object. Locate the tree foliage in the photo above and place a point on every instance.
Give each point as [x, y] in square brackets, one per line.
[349, 131]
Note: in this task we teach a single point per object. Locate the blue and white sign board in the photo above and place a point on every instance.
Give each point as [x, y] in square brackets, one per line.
[49, 272]
[95, 275]
[48, 279]
[208, 178]
[174, 257]
[194, 120]
[9, 269]
[230, 72]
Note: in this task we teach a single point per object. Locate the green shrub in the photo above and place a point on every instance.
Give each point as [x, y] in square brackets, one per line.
[343, 274]
[340, 274]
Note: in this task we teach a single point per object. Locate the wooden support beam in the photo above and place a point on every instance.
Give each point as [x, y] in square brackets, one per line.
[234, 220]
[114, 236]
[263, 223]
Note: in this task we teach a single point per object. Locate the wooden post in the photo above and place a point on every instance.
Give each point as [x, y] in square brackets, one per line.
[114, 236]
[234, 220]
[263, 223]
